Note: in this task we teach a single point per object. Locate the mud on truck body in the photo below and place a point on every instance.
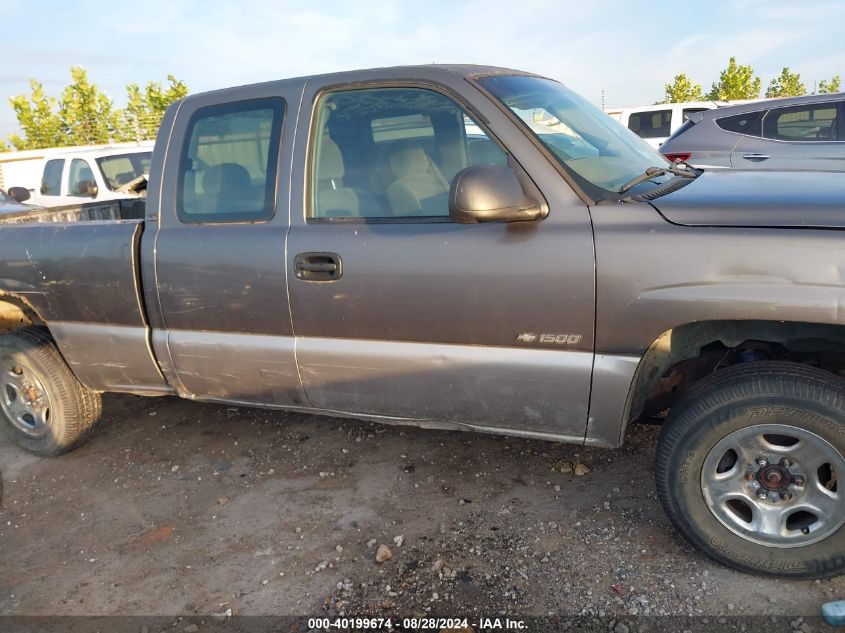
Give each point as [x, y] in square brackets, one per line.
[461, 247]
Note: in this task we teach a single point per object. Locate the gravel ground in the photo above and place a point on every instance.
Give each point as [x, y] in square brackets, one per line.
[178, 508]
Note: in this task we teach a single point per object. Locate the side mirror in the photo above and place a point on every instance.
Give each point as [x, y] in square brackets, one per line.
[21, 194]
[87, 188]
[490, 193]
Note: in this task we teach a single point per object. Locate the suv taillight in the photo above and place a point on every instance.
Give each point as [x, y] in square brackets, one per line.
[678, 157]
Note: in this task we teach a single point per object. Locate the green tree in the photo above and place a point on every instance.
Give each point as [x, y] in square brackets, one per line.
[144, 109]
[85, 115]
[38, 120]
[681, 90]
[788, 84]
[736, 82]
[829, 87]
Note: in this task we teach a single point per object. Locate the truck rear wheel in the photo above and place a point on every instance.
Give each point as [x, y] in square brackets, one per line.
[45, 408]
[748, 469]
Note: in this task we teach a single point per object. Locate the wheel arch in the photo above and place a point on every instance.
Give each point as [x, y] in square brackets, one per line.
[682, 355]
[16, 313]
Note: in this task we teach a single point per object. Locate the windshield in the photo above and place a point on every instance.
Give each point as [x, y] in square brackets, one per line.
[123, 168]
[601, 153]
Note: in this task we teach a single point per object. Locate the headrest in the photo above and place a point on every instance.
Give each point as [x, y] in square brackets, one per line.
[408, 160]
[331, 160]
[225, 177]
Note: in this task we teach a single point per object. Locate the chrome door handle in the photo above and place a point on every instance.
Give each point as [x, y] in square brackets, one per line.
[756, 157]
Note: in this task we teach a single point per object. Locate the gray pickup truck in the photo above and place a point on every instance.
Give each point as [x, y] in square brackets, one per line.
[470, 248]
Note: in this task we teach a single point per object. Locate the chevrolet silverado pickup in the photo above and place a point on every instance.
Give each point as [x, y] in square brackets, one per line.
[461, 247]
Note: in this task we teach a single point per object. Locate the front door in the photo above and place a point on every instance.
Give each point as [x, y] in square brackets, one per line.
[400, 312]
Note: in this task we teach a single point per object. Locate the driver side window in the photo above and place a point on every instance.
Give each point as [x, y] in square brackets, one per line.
[391, 153]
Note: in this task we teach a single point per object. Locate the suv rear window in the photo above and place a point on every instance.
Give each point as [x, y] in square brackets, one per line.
[650, 124]
[747, 123]
[802, 123]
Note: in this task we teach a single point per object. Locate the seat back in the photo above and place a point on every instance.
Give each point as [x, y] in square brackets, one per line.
[419, 188]
[332, 198]
[228, 185]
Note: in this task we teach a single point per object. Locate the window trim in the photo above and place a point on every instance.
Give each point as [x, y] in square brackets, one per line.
[310, 154]
[279, 107]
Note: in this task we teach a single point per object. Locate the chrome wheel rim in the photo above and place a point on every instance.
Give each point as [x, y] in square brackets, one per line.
[24, 400]
[776, 485]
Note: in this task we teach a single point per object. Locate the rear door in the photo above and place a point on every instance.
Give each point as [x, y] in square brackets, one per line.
[224, 330]
[398, 311]
[795, 137]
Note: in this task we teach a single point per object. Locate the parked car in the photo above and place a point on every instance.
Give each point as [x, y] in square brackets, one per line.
[404, 245]
[656, 123]
[795, 133]
[63, 176]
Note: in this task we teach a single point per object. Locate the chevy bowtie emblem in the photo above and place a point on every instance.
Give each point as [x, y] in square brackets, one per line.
[526, 337]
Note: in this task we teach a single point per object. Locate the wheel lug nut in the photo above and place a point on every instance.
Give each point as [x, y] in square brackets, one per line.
[799, 481]
[786, 463]
[762, 461]
[749, 476]
[755, 484]
[786, 496]
[762, 494]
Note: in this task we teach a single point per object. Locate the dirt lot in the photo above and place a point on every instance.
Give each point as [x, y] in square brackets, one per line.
[175, 507]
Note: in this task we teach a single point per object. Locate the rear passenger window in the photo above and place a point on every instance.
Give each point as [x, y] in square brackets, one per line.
[391, 153]
[650, 124]
[229, 160]
[802, 123]
[748, 123]
[51, 181]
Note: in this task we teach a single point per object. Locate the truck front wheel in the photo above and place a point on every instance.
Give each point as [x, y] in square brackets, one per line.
[748, 468]
[45, 408]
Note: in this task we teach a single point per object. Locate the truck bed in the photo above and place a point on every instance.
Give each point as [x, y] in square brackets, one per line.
[129, 209]
[80, 275]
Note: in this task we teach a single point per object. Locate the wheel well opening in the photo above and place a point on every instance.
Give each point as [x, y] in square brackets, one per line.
[15, 314]
[682, 356]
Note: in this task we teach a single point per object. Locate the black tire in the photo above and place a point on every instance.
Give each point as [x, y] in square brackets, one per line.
[71, 410]
[734, 402]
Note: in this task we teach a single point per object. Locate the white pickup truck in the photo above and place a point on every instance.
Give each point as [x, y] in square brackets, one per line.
[63, 176]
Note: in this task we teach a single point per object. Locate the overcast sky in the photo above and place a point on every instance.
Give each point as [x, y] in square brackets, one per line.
[628, 49]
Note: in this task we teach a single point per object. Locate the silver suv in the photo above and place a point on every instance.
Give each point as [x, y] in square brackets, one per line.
[795, 133]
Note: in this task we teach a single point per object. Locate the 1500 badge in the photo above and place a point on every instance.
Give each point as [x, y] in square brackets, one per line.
[559, 339]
